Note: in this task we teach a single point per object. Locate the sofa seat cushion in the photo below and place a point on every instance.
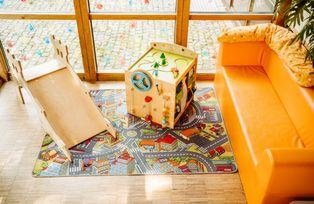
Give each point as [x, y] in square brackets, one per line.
[263, 119]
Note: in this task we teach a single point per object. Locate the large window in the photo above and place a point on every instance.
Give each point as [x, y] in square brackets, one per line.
[202, 38]
[106, 36]
[37, 6]
[133, 6]
[118, 44]
[219, 6]
[29, 40]
[212, 16]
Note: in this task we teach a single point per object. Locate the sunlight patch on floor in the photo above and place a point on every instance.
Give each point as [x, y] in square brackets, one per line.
[155, 184]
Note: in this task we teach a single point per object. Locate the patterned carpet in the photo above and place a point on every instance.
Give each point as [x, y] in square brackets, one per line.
[198, 144]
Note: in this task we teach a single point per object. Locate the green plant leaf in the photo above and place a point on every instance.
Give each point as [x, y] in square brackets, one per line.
[298, 13]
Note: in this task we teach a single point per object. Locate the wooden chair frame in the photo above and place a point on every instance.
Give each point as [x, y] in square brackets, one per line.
[61, 55]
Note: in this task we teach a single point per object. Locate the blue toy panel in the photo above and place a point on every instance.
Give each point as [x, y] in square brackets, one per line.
[141, 81]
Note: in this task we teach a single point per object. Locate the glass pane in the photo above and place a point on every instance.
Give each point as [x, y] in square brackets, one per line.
[133, 6]
[203, 40]
[219, 5]
[231, 5]
[257, 22]
[29, 40]
[264, 6]
[119, 43]
[40, 6]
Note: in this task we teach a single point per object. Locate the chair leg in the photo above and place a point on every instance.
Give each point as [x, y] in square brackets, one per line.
[21, 94]
[231, 3]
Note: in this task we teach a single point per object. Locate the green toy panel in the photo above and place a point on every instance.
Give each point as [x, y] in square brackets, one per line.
[163, 63]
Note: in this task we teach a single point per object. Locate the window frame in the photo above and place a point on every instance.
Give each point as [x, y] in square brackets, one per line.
[84, 17]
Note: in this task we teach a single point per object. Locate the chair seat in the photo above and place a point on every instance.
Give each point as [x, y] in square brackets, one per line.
[263, 119]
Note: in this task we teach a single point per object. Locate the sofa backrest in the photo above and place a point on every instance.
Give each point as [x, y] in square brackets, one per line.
[279, 40]
[247, 53]
[298, 101]
[270, 46]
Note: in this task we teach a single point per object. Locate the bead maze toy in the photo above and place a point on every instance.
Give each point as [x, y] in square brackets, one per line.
[161, 84]
[67, 112]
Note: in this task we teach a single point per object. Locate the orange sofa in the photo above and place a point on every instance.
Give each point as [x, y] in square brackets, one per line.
[268, 115]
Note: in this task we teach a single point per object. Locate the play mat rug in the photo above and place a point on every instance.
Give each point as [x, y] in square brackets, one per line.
[198, 144]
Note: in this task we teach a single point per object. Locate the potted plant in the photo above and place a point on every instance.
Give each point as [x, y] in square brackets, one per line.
[298, 15]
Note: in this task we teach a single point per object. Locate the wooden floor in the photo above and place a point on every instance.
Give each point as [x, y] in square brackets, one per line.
[20, 140]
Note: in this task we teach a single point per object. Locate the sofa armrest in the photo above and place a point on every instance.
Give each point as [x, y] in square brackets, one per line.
[241, 53]
[287, 173]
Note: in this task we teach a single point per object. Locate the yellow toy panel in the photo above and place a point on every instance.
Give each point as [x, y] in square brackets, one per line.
[165, 66]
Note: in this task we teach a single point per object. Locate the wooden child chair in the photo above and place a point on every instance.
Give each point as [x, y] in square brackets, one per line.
[67, 112]
[14, 73]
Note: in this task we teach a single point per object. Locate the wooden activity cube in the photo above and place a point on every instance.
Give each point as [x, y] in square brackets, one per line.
[161, 84]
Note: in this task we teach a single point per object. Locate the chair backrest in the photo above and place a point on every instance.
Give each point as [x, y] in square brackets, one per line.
[16, 66]
[3, 65]
[61, 51]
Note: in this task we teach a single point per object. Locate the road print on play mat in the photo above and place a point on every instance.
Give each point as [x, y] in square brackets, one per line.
[198, 144]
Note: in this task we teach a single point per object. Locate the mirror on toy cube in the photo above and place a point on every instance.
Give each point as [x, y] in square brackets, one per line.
[161, 84]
